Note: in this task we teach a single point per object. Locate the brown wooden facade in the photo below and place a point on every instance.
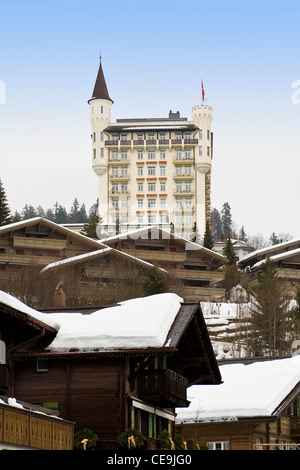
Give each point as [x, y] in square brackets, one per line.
[195, 273]
[109, 391]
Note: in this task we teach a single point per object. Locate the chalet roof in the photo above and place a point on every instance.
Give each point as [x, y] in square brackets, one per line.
[100, 89]
[257, 390]
[292, 255]
[268, 252]
[27, 223]
[85, 257]
[155, 233]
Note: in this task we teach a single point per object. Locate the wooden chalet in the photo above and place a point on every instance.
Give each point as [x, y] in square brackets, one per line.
[257, 407]
[195, 272]
[285, 255]
[126, 366]
[29, 245]
[26, 425]
[101, 277]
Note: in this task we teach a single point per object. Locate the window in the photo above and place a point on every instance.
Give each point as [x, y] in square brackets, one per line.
[162, 203]
[140, 155]
[140, 187]
[151, 187]
[178, 155]
[178, 203]
[178, 188]
[151, 219]
[150, 136]
[115, 188]
[208, 151]
[151, 155]
[124, 188]
[188, 171]
[124, 203]
[114, 156]
[200, 134]
[163, 186]
[114, 171]
[151, 170]
[124, 137]
[178, 171]
[221, 445]
[102, 152]
[115, 138]
[187, 154]
[42, 365]
[124, 171]
[140, 219]
[163, 155]
[115, 203]
[208, 135]
[151, 203]
[101, 135]
[101, 109]
[162, 171]
[200, 150]
[164, 218]
[140, 203]
[140, 137]
[124, 155]
[2, 352]
[140, 171]
[188, 220]
[94, 153]
[188, 187]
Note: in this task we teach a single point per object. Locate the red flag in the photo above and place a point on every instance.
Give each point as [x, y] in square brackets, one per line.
[203, 94]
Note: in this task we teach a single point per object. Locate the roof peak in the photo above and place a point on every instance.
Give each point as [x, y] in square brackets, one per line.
[100, 88]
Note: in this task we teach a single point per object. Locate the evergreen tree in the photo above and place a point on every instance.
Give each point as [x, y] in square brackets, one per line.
[90, 227]
[243, 236]
[28, 212]
[229, 253]
[216, 224]
[274, 240]
[208, 238]
[269, 314]
[155, 284]
[5, 215]
[226, 220]
[195, 236]
[59, 214]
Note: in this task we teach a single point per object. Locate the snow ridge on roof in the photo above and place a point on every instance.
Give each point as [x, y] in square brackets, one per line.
[252, 390]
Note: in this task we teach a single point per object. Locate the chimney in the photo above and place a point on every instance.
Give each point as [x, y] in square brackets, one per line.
[59, 295]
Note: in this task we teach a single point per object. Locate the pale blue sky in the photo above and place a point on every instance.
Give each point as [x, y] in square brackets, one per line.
[154, 55]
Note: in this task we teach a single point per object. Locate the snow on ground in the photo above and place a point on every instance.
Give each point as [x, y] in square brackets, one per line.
[137, 323]
[250, 390]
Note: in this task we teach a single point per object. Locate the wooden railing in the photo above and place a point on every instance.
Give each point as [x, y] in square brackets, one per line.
[163, 386]
[28, 429]
[40, 243]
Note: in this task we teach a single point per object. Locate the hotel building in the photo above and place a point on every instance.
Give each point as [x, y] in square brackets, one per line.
[151, 171]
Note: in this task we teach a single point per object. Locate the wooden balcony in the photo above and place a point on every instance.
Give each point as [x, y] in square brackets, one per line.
[28, 260]
[163, 387]
[33, 428]
[3, 379]
[39, 243]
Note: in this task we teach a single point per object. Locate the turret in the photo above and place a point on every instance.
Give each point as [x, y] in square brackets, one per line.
[202, 116]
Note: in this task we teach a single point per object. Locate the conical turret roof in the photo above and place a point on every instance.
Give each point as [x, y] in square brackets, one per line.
[100, 88]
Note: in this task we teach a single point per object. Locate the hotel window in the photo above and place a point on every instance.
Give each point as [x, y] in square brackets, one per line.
[187, 154]
[94, 153]
[124, 155]
[187, 137]
[114, 156]
[164, 218]
[178, 203]
[150, 136]
[115, 188]
[115, 203]
[178, 155]
[151, 203]
[151, 219]
[114, 171]
[188, 203]
[140, 155]
[94, 136]
[163, 155]
[124, 171]
[124, 203]
[207, 135]
[178, 220]
[162, 137]
[188, 220]
[124, 219]
[200, 134]
[178, 171]
[140, 137]
[163, 186]
[178, 187]
[151, 187]
[101, 109]
[162, 203]
[200, 150]
[123, 137]
[140, 171]
[140, 203]
[140, 219]
[101, 136]
[151, 155]
[222, 445]
[162, 171]
[140, 187]
[115, 138]
[151, 170]
[188, 187]
[102, 152]
[208, 151]
[124, 188]
[178, 136]
[188, 171]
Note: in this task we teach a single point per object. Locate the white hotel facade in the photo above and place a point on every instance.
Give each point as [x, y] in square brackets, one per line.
[151, 171]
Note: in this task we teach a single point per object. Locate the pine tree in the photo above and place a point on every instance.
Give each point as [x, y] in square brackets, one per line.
[155, 284]
[229, 253]
[243, 236]
[216, 224]
[208, 238]
[269, 313]
[5, 215]
[226, 220]
[90, 227]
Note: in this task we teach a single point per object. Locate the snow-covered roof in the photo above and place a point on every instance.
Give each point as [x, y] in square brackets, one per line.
[279, 247]
[137, 323]
[279, 257]
[248, 391]
[161, 234]
[95, 254]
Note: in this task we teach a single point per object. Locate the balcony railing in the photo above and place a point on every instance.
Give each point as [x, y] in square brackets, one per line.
[163, 387]
[151, 142]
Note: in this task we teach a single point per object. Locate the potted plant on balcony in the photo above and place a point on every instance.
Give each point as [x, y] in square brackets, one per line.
[165, 440]
[131, 439]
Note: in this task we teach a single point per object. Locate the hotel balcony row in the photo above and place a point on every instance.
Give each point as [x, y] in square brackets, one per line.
[150, 193]
[124, 160]
[155, 143]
